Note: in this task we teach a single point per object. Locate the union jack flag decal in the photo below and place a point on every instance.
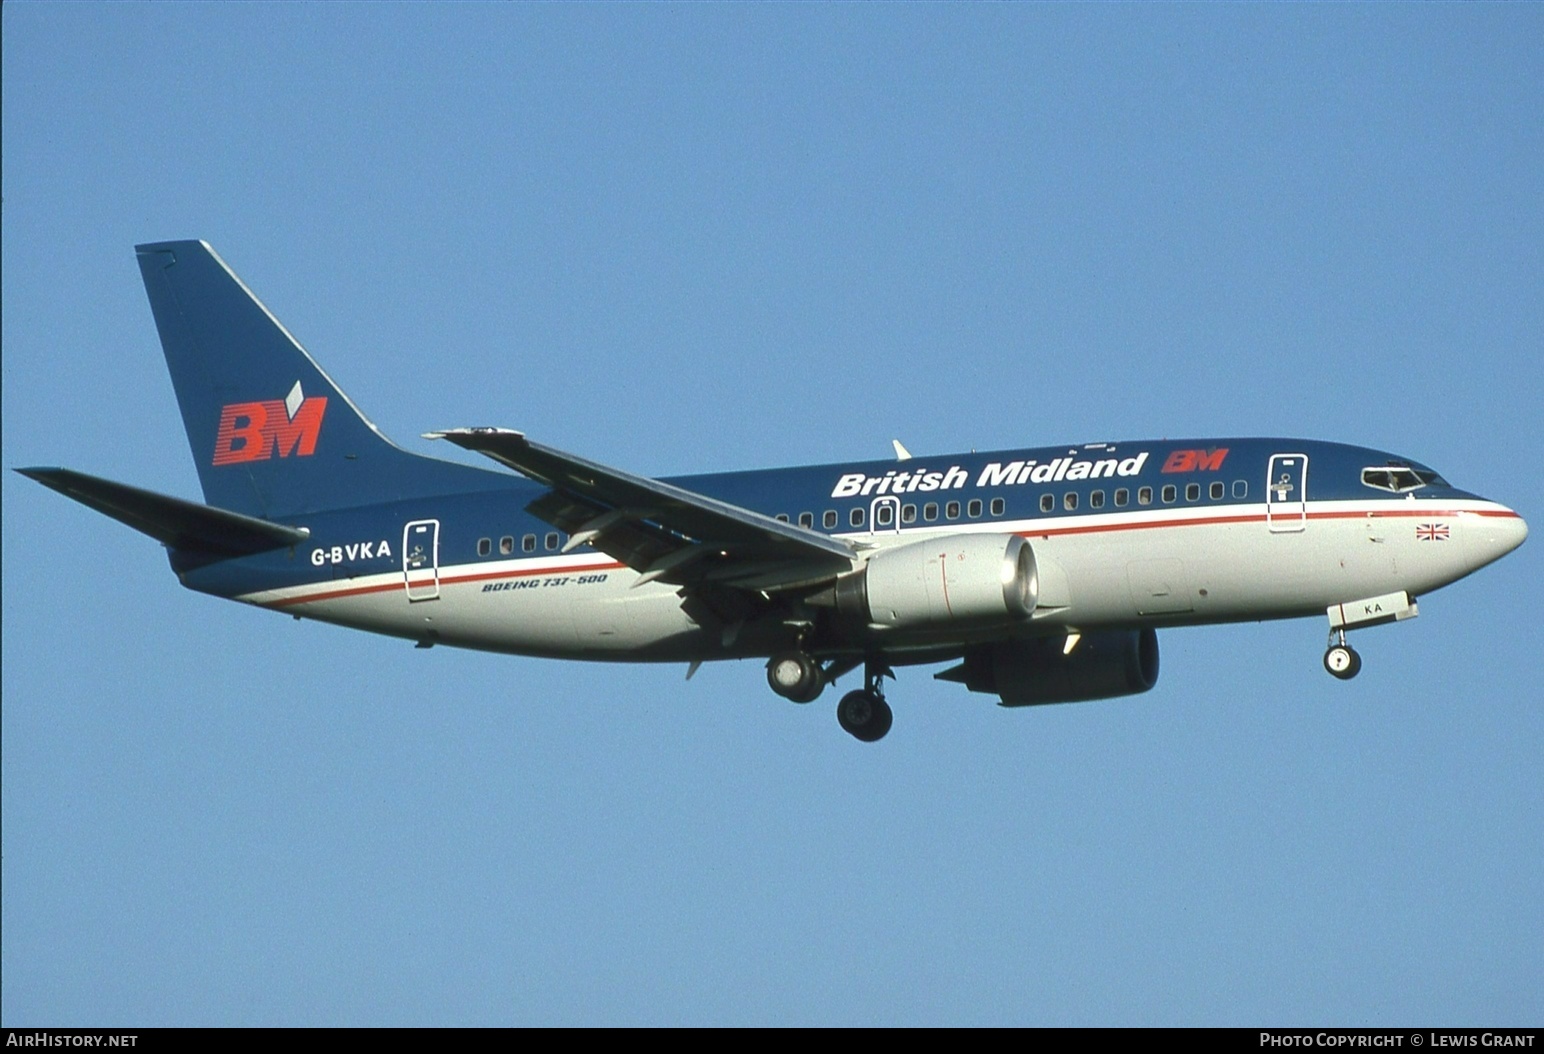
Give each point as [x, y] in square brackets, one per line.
[1431, 532]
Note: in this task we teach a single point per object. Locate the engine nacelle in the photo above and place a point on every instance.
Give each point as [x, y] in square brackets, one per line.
[1035, 671]
[956, 580]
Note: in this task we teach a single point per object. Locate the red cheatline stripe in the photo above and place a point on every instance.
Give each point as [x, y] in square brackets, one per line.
[486, 576]
[1358, 514]
[334, 595]
[1144, 525]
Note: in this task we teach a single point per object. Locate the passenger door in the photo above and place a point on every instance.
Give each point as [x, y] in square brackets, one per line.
[421, 560]
[1286, 493]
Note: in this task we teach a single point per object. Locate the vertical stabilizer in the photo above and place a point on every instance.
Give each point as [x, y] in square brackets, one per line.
[271, 434]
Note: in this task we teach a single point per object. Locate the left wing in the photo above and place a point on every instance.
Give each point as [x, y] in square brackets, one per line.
[662, 531]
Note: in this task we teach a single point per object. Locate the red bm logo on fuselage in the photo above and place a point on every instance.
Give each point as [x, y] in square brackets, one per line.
[1195, 460]
[255, 431]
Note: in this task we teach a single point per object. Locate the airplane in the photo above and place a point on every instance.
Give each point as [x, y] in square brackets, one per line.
[1041, 574]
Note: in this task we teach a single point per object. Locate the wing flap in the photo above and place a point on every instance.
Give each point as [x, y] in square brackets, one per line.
[646, 523]
[635, 542]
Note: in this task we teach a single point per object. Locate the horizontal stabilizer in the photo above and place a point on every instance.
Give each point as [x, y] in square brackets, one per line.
[170, 521]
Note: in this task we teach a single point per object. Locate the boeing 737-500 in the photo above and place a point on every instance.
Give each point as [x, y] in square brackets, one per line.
[1040, 575]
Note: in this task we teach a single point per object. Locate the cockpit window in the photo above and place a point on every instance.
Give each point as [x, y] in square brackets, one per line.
[1400, 478]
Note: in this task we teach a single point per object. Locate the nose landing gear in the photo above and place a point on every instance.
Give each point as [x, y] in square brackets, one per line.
[1341, 660]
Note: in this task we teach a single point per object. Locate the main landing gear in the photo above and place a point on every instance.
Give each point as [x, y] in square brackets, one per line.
[1341, 660]
[863, 714]
[794, 675]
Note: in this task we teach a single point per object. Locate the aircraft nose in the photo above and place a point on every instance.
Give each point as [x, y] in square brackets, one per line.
[1498, 531]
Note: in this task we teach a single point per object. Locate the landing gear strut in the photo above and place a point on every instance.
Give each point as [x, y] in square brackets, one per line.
[864, 714]
[1341, 660]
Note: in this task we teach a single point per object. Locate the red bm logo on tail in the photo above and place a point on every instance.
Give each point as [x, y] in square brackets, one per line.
[254, 431]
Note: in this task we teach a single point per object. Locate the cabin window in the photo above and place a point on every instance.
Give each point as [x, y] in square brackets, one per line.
[930, 511]
[552, 539]
[1240, 489]
[507, 544]
[781, 517]
[1070, 501]
[952, 510]
[829, 519]
[484, 546]
[1192, 492]
[1145, 496]
[1170, 492]
[1218, 491]
[855, 517]
[908, 514]
[1122, 497]
[998, 506]
[528, 543]
[974, 508]
[806, 519]
[1096, 500]
[884, 516]
[1047, 503]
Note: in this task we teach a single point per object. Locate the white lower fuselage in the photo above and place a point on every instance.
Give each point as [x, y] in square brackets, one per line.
[1127, 568]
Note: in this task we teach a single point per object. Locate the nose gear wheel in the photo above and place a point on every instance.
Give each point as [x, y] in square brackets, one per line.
[1341, 660]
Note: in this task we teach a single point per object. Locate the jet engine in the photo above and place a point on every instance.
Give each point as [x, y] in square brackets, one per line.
[957, 580]
[1041, 670]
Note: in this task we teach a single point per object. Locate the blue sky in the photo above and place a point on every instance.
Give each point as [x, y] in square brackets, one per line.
[707, 237]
